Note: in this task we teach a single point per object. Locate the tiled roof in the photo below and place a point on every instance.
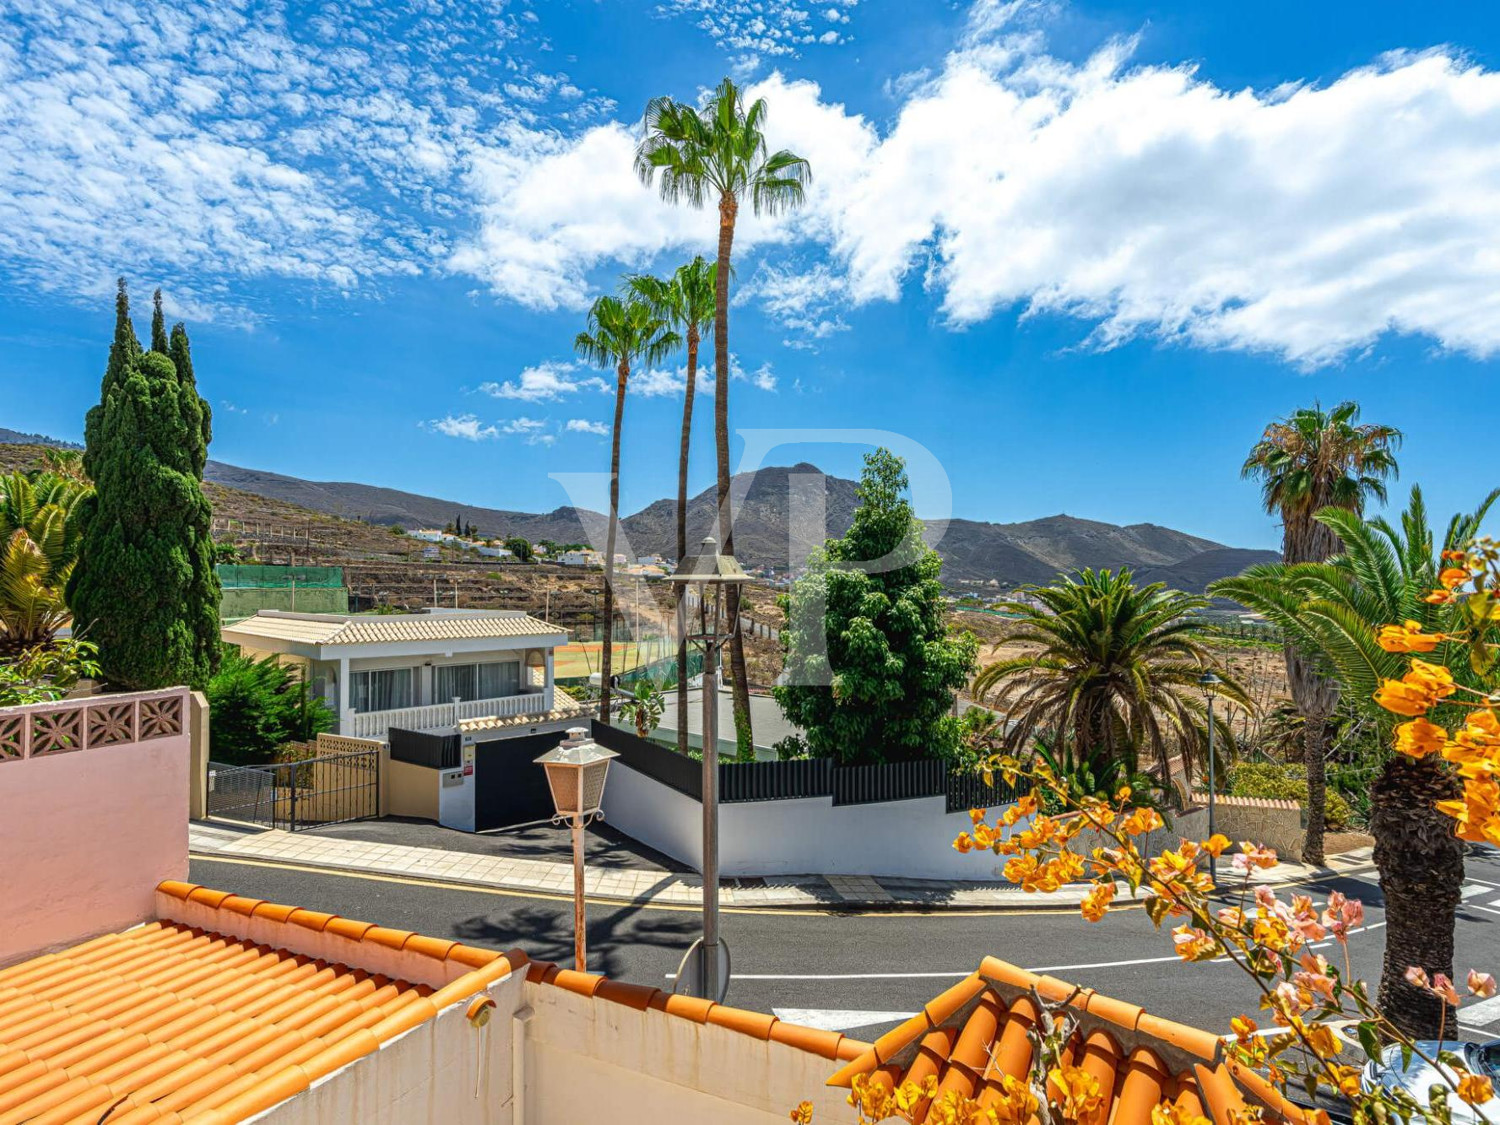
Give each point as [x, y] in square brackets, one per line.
[172, 1022]
[564, 707]
[333, 629]
[976, 1031]
[830, 1045]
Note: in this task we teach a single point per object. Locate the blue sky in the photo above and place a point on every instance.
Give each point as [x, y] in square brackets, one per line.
[1080, 251]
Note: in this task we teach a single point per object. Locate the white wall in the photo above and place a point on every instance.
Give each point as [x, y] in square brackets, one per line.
[911, 839]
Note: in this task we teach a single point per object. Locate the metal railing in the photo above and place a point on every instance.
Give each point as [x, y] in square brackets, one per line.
[331, 789]
[374, 724]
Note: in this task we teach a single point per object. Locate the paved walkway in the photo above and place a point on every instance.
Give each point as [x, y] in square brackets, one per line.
[642, 886]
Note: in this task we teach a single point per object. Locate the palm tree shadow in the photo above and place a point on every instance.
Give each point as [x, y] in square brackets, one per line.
[546, 933]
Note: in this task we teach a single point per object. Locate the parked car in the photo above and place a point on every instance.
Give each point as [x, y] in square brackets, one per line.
[1418, 1076]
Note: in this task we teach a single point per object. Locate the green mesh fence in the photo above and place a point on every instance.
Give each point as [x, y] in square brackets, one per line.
[250, 576]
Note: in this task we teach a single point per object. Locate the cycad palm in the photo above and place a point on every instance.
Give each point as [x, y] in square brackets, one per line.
[619, 333]
[719, 154]
[39, 539]
[1334, 611]
[686, 302]
[1116, 676]
[1311, 460]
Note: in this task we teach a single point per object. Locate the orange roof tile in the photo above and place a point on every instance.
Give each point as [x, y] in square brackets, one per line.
[180, 1022]
[976, 1031]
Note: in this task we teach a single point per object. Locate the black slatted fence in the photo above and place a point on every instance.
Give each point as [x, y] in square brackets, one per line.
[418, 748]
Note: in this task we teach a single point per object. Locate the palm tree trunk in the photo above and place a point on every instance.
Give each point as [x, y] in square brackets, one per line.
[1313, 730]
[728, 209]
[1421, 864]
[682, 499]
[606, 655]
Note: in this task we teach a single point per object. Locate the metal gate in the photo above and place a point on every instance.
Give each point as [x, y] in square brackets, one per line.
[328, 789]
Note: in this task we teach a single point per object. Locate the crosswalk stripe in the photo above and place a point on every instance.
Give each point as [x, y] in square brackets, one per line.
[1480, 1014]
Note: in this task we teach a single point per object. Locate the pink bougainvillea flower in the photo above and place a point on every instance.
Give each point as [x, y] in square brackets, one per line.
[1480, 984]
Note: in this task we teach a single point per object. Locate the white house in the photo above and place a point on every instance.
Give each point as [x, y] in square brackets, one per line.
[421, 671]
[580, 558]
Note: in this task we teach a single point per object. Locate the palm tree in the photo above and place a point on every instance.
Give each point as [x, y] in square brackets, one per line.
[1116, 675]
[618, 333]
[1306, 462]
[39, 539]
[1334, 611]
[686, 302]
[719, 153]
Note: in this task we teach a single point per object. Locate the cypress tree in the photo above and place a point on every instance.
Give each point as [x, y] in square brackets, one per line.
[144, 588]
[158, 325]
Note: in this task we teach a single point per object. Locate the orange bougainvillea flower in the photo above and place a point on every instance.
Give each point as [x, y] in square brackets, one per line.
[1216, 844]
[1419, 738]
[1452, 578]
[1443, 989]
[1170, 1113]
[1480, 984]
[1418, 691]
[1408, 638]
[1193, 944]
[1096, 903]
[1475, 1089]
[1244, 1028]
[1417, 975]
[1141, 821]
[803, 1114]
[1076, 1093]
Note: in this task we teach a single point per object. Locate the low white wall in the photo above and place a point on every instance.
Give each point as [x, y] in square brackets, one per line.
[910, 839]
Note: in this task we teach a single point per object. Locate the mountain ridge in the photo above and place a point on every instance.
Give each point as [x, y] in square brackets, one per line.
[781, 514]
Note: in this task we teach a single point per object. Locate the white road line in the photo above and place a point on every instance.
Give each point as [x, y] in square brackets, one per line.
[1037, 969]
[1486, 909]
[1480, 1014]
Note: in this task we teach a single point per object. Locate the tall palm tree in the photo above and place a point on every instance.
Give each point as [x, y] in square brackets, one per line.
[39, 540]
[719, 153]
[1334, 611]
[686, 302]
[1308, 461]
[1116, 674]
[618, 334]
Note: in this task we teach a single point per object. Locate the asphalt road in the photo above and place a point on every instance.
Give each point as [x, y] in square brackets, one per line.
[860, 973]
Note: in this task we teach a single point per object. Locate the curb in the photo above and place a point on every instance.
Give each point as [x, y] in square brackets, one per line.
[1034, 904]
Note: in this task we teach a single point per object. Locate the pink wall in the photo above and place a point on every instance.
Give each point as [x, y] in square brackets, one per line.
[87, 833]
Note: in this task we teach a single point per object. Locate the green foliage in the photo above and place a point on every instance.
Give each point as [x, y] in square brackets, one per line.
[43, 674]
[1096, 777]
[791, 748]
[258, 706]
[144, 587]
[519, 547]
[1115, 674]
[397, 529]
[871, 667]
[39, 540]
[1273, 781]
[645, 707]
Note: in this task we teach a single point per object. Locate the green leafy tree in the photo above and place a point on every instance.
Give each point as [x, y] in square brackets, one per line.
[1113, 674]
[619, 333]
[144, 588]
[519, 547]
[258, 706]
[1306, 462]
[1333, 611]
[644, 707]
[719, 154]
[686, 302]
[871, 668]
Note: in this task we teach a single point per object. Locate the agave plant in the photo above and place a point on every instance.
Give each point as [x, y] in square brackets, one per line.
[1333, 611]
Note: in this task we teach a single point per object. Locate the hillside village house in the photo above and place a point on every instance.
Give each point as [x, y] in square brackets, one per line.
[424, 671]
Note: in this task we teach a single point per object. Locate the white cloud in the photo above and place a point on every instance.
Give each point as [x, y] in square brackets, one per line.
[656, 383]
[584, 426]
[763, 378]
[465, 426]
[546, 382]
[770, 27]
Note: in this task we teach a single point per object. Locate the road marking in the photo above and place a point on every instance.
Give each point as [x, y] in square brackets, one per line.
[1480, 1014]
[837, 1019]
[1486, 909]
[1471, 889]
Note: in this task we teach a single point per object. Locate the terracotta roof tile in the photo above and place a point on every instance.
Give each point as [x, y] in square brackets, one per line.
[975, 1032]
[180, 1022]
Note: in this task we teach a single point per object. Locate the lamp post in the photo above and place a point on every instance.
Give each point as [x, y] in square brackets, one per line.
[708, 573]
[575, 773]
[1210, 685]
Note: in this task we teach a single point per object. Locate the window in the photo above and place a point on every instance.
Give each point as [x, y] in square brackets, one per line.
[476, 681]
[383, 690]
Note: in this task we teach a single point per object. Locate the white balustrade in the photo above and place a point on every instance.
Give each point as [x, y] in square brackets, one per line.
[374, 724]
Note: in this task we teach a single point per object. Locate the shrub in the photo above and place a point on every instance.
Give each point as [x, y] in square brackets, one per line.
[1270, 781]
[791, 748]
[257, 706]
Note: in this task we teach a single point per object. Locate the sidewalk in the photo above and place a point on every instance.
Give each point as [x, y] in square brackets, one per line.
[656, 887]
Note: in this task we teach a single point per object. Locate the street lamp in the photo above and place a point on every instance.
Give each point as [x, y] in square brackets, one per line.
[1210, 685]
[575, 774]
[708, 574]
